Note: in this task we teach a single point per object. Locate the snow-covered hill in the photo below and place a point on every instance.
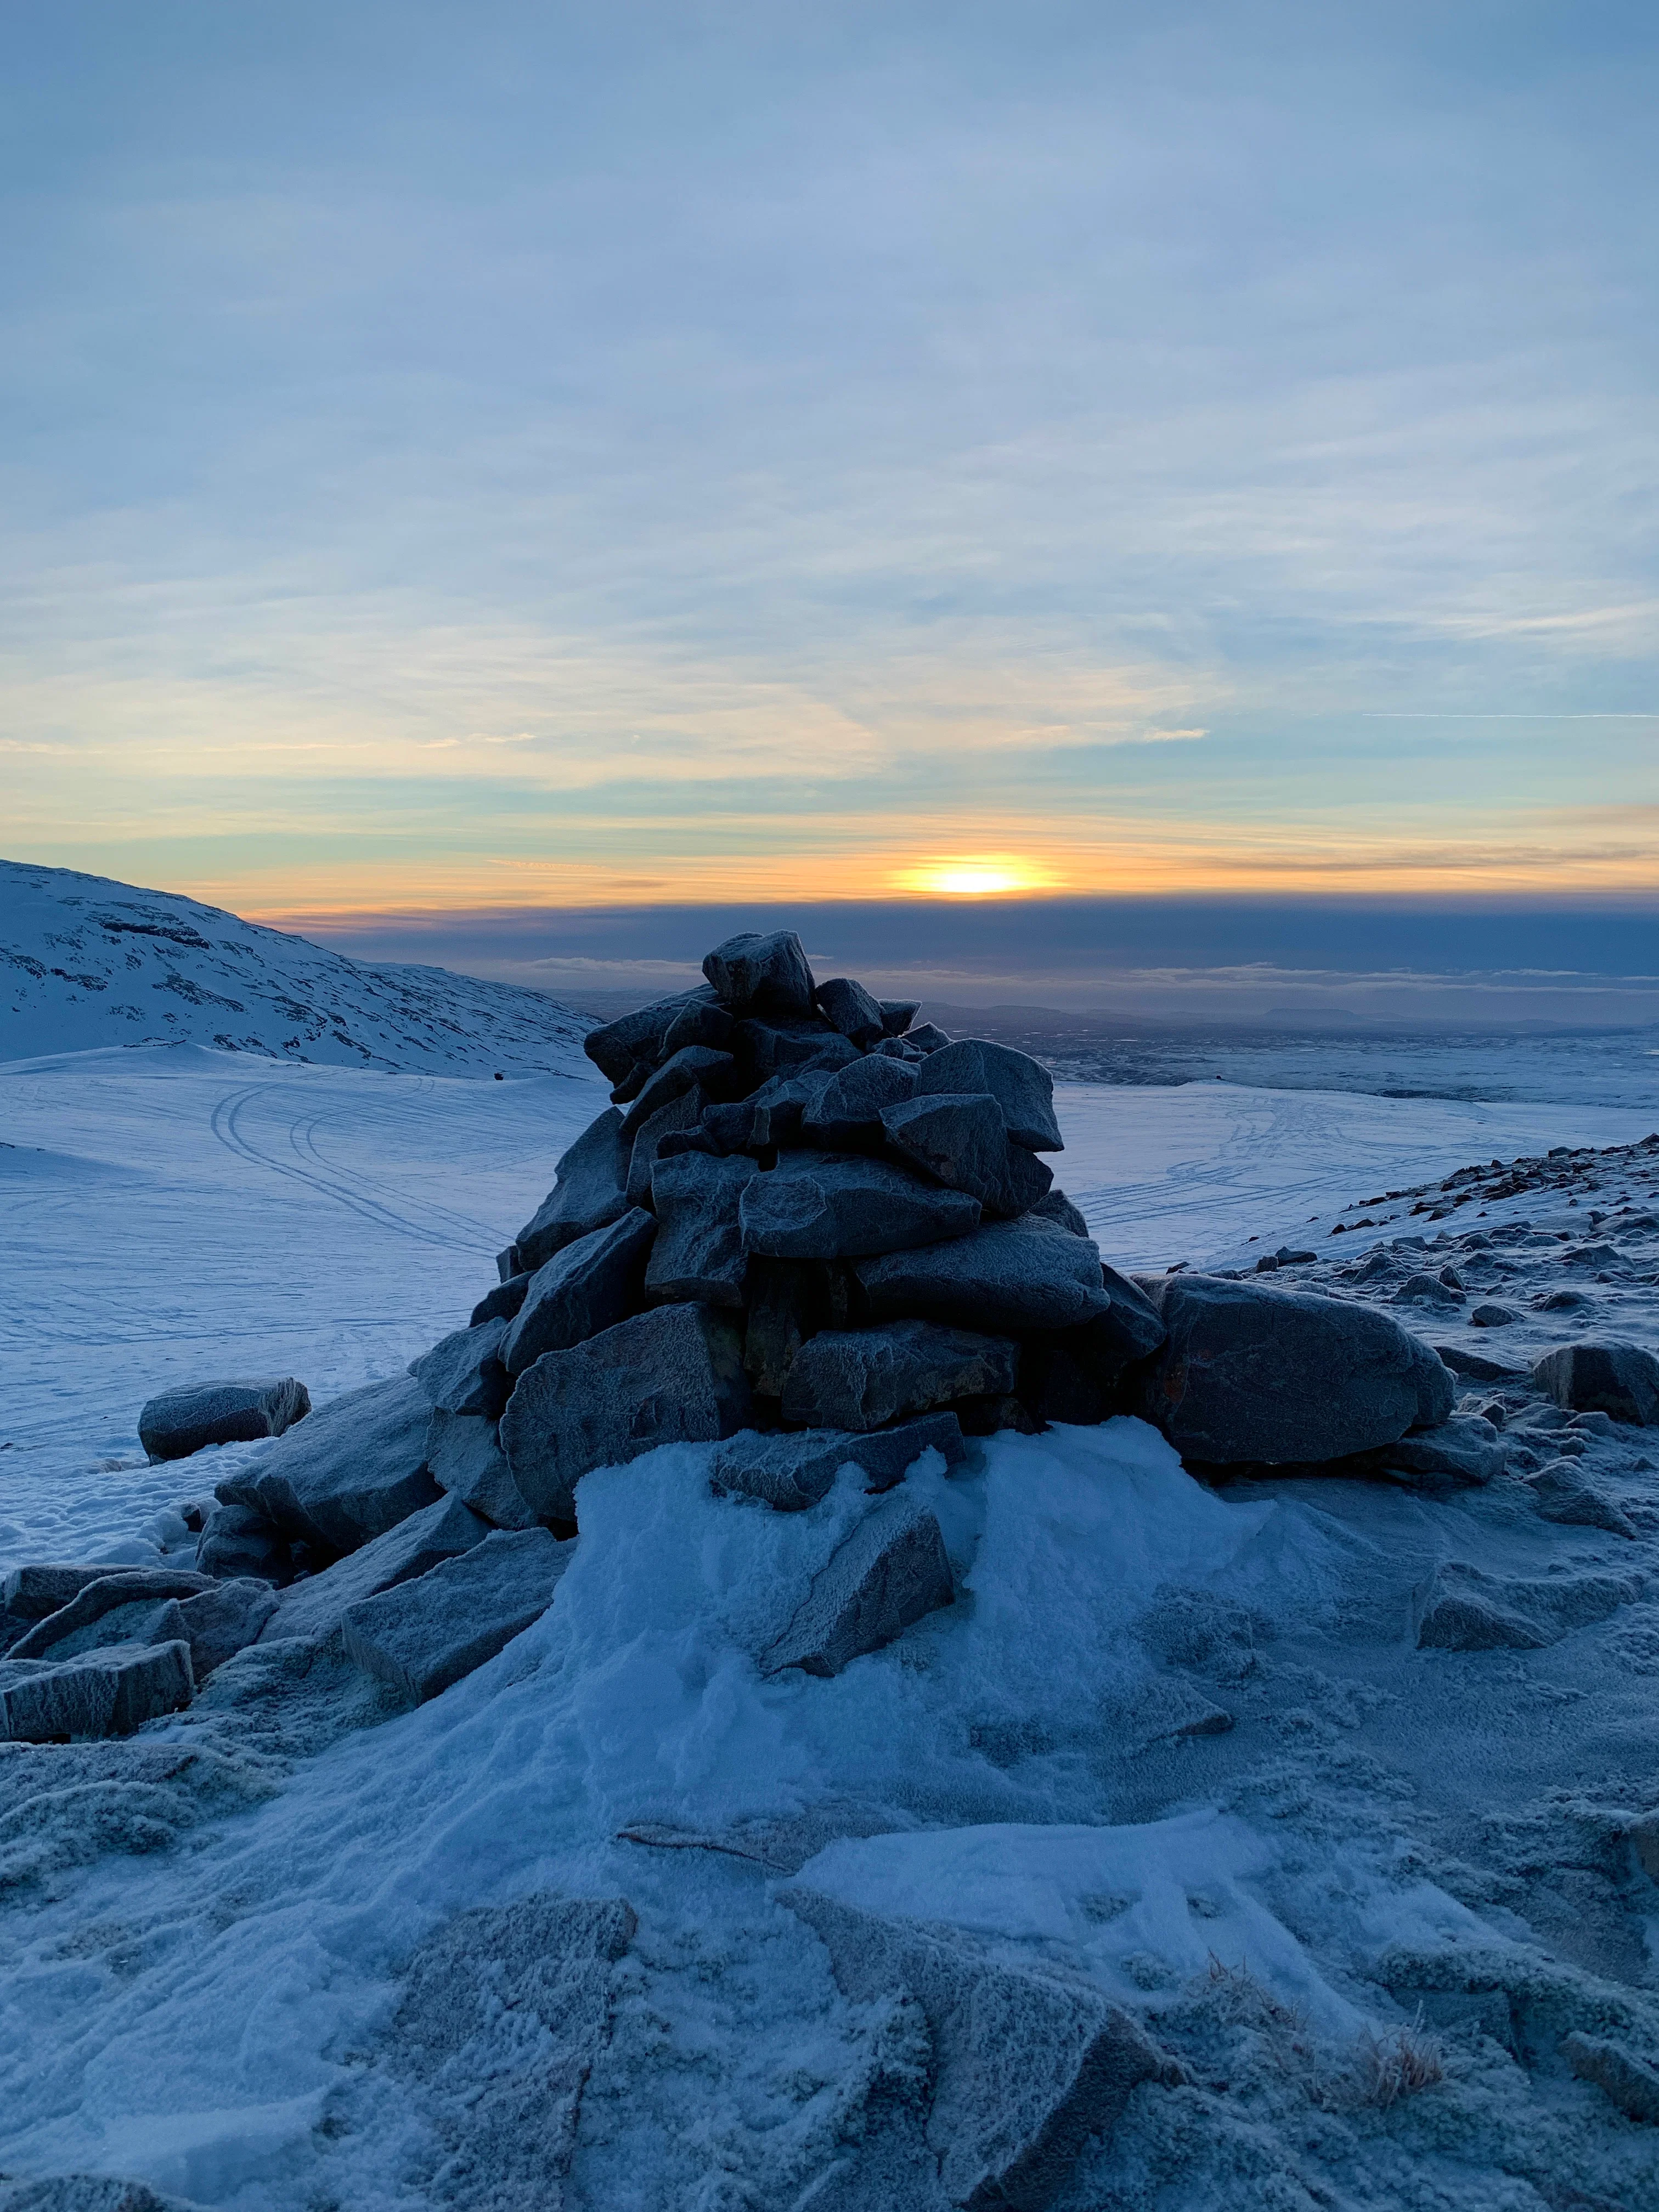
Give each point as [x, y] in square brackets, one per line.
[86, 962]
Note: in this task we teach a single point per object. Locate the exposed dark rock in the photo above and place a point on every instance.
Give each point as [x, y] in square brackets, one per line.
[424, 1635]
[764, 1049]
[887, 1573]
[1028, 2066]
[1055, 1205]
[1022, 1086]
[592, 1189]
[927, 1038]
[763, 975]
[672, 1376]
[614, 1048]
[356, 1468]
[1488, 1316]
[1462, 1451]
[787, 1300]
[1013, 1275]
[847, 1115]
[177, 1423]
[587, 1286]
[700, 1021]
[862, 1379]
[315, 1607]
[238, 1541]
[698, 1254]
[463, 1452]
[796, 1469]
[819, 1206]
[1283, 1377]
[463, 1373]
[504, 1301]
[679, 1117]
[898, 1014]
[694, 1067]
[961, 1140]
[1475, 1366]
[108, 1692]
[848, 1008]
[1620, 1379]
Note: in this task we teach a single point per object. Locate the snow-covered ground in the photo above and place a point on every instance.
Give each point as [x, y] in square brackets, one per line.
[203, 1962]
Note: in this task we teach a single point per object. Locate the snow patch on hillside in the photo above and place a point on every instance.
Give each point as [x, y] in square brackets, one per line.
[86, 962]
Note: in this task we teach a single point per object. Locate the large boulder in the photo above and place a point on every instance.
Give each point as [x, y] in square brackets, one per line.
[762, 974]
[960, 1137]
[588, 1285]
[862, 1378]
[237, 1542]
[1022, 1087]
[1283, 1378]
[815, 1206]
[110, 1691]
[847, 1114]
[698, 1254]
[592, 1189]
[680, 1117]
[463, 1452]
[885, 1574]
[425, 1634]
[315, 1607]
[793, 1469]
[672, 1375]
[356, 1468]
[849, 1007]
[501, 1303]
[1015, 1275]
[463, 1372]
[177, 1423]
[616, 1047]
[1620, 1379]
[1026, 2065]
[218, 1622]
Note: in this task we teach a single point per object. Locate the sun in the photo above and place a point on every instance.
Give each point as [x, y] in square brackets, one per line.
[980, 876]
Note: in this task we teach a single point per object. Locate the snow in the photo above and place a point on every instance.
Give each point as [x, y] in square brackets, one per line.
[204, 2000]
[86, 962]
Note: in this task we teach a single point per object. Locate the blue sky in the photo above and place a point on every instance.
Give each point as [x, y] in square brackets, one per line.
[491, 457]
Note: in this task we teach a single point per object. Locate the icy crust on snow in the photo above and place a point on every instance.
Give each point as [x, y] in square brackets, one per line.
[86, 962]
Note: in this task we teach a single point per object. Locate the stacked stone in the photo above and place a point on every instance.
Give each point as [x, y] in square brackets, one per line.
[800, 1218]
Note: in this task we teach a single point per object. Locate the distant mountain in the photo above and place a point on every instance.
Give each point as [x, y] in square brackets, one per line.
[86, 962]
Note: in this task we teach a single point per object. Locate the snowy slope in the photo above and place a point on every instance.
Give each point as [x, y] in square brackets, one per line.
[86, 962]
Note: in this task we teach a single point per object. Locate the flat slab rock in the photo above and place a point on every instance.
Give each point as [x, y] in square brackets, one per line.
[356, 1468]
[315, 1607]
[1027, 2067]
[463, 1372]
[1016, 1275]
[672, 1375]
[177, 1423]
[424, 1635]
[108, 1692]
[888, 1571]
[504, 2013]
[827, 1205]
[1283, 1378]
[794, 1469]
[591, 1189]
[962, 1141]
[115, 1592]
[587, 1286]
[1022, 1087]
[463, 1452]
[863, 1378]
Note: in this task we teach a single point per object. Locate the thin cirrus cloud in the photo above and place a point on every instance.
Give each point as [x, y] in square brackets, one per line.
[561, 458]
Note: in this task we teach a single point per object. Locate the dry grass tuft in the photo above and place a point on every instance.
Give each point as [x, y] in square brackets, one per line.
[1399, 2065]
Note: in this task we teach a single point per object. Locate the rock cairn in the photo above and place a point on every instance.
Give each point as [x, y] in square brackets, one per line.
[806, 1232]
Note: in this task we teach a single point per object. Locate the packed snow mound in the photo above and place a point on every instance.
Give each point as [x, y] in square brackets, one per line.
[86, 962]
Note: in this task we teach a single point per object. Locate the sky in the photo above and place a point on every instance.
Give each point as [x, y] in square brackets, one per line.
[494, 461]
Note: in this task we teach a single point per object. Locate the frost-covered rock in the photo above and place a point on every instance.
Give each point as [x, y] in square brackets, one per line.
[314, 1608]
[585, 1287]
[123, 1593]
[698, 1254]
[107, 1691]
[221, 1621]
[963, 1142]
[425, 1634]
[1462, 1607]
[464, 1455]
[238, 1541]
[696, 1067]
[1563, 1493]
[1249, 1374]
[863, 1378]
[356, 1468]
[849, 1007]
[762, 974]
[1013, 1275]
[820, 1206]
[846, 1116]
[591, 1189]
[1620, 1379]
[888, 1572]
[177, 1423]
[1022, 1087]
[87, 2192]
[672, 1375]
[794, 1470]
[1027, 2066]
[463, 1373]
